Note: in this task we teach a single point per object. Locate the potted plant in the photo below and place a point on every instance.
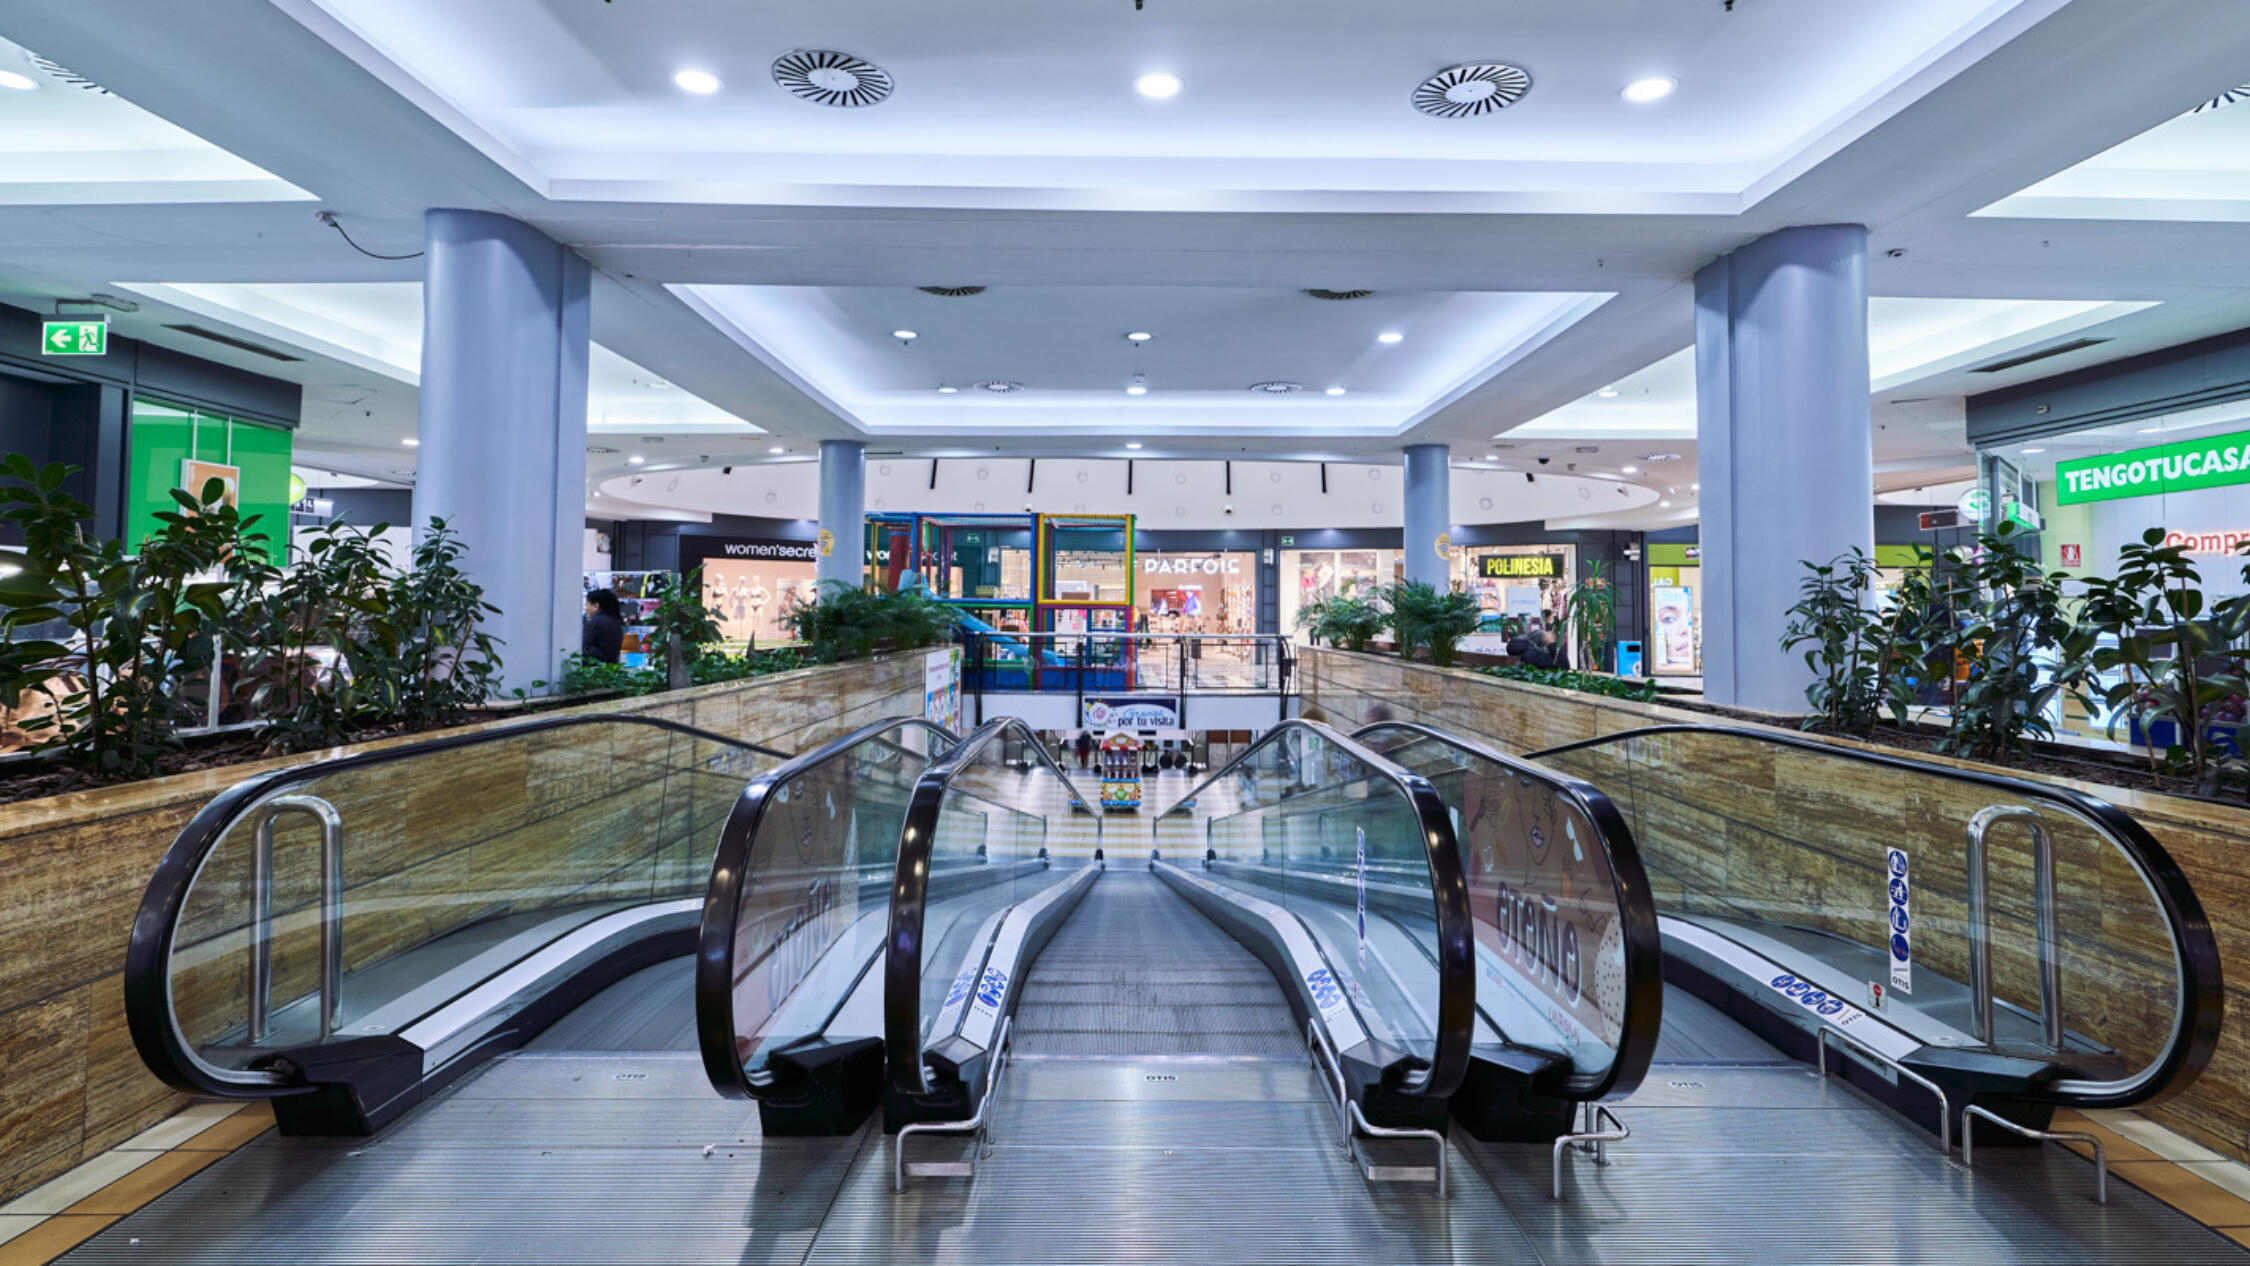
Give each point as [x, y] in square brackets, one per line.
[1424, 615]
[1344, 619]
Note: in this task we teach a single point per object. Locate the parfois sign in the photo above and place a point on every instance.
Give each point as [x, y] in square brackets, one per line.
[2145, 472]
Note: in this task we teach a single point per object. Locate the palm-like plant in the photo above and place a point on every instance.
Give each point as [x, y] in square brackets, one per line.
[1424, 615]
[1345, 619]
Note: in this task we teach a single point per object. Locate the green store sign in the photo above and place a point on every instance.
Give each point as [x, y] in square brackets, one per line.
[2145, 472]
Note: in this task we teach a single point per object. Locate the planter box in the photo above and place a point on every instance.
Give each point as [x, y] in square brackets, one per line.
[2210, 842]
[72, 870]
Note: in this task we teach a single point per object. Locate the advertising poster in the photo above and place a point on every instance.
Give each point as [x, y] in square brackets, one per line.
[941, 688]
[751, 586]
[1672, 648]
[1130, 712]
[1550, 947]
[195, 474]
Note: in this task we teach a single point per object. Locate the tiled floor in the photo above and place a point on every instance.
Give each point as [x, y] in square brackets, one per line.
[51, 1219]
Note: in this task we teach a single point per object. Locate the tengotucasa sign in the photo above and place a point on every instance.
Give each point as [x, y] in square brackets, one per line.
[2144, 472]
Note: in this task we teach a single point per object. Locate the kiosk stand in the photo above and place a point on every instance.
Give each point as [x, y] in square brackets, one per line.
[1121, 774]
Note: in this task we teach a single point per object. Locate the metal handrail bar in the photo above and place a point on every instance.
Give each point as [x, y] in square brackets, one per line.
[1590, 1139]
[1980, 923]
[1969, 1134]
[1361, 1123]
[1945, 1106]
[978, 1124]
[1324, 1052]
[331, 910]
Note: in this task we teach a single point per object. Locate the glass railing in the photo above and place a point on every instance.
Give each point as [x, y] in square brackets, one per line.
[1201, 663]
[798, 902]
[1569, 960]
[2076, 940]
[994, 825]
[1362, 853]
[358, 897]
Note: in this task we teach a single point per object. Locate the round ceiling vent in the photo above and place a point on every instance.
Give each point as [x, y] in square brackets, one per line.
[1000, 386]
[1464, 92]
[826, 77]
[2227, 98]
[1339, 295]
[1276, 388]
[951, 292]
[63, 74]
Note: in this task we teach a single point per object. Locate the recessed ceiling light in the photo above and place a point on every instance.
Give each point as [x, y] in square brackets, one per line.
[1630, 470]
[1390, 336]
[1643, 91]
[1335, 391]
[1607, 393]
[1140, 336]
[658, 384]
[1135, 444]
[1158, 85]
[947, 391]
[2029, 451]
[905, 336]
[1137, 388]
[635, 460]
[700, 82]
[2148, 430]
[1664, 503]
[1695, 487]
[411, 442]
[20, 83]
[777, 449]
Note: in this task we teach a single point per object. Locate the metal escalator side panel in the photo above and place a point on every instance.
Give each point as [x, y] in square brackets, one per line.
[744, 870]
[2128, 924]
[919, 841]
[1607, 858]
[210, 878]
[1308, 749]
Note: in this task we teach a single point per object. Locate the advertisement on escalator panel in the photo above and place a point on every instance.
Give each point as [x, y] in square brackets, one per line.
[1550, 946]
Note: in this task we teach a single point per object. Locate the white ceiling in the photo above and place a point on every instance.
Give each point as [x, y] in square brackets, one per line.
[2193, 167]
[577, 99]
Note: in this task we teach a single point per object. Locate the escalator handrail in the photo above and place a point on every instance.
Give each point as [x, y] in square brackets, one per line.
[1643, 1019]
[1449, 894]
[149, 1016]
[902, 959]
[2200, 1003]
[722, 900]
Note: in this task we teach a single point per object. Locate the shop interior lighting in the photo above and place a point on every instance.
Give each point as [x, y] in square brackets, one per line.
[700, 82]
[1643, 91]
[1158, 85]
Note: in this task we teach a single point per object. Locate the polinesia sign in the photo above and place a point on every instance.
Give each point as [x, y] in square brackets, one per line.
[2145, 472]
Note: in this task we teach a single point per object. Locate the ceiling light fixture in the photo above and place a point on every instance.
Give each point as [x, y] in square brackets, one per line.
[777, 449]
[1135, 444]
[1630, 470]
[2029, 451]
[411, 442]
[1388, 337]
[905, 336]
[1467, 91]
[1139, 336]
[19, 82]
[826, 77]
[700, 82]
[1335, 391]
[1643, 91]
[1158, 85]
[947, 391]
[1138, 387]
[1664, 503]
[2148, 430]
[635, 460]
[1606, 393]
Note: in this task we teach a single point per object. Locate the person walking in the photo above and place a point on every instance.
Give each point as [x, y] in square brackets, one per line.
[1084, 747]
[601, 634]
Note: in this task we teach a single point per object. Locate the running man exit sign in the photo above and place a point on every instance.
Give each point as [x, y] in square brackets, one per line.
[74, 337]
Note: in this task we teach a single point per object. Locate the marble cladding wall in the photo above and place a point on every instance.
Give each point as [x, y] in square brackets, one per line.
[73, 868]
[1803, 836]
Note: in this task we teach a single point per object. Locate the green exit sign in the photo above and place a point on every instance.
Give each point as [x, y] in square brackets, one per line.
[74, 338]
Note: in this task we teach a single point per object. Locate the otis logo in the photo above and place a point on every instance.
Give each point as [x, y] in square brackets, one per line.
[1326, 994]
[1803, 992]
[992, 988]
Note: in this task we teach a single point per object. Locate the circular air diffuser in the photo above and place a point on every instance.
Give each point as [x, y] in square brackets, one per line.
[2227, 98]
[1339, 294]
[1000, 386]
[951, 292]
[826, 77]
[1464, 92]
[63, 74]
[1276, 388]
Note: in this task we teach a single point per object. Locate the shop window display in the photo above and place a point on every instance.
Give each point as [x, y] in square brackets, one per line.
[1310, 575]
[1531, 582]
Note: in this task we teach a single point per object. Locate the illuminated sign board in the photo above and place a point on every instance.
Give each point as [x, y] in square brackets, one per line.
[2144, 472]
[1520, 566]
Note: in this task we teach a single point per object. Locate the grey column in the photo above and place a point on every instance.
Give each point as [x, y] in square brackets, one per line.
[1784, 445]
[1429, 513]
[503, 424]
[843, 512]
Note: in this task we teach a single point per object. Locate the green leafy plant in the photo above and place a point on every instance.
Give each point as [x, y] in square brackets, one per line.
[2024, 649]
[583, 676]
[1425, 616]
[438, 663]
[1570, 679]
[846, 621]
[321, 636]
[136, 624]
[1863, 659]
[1591, 612]
[2175, 659]
[1345, 619]
[680, 626]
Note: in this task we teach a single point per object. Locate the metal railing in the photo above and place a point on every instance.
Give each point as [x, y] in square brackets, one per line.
[2043, 910]
[1351, 1122]
[978, 1126]
[1944, 1105]
[1103, 662]
[331, 910]
[1969, 1144]
[1590, 1138]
